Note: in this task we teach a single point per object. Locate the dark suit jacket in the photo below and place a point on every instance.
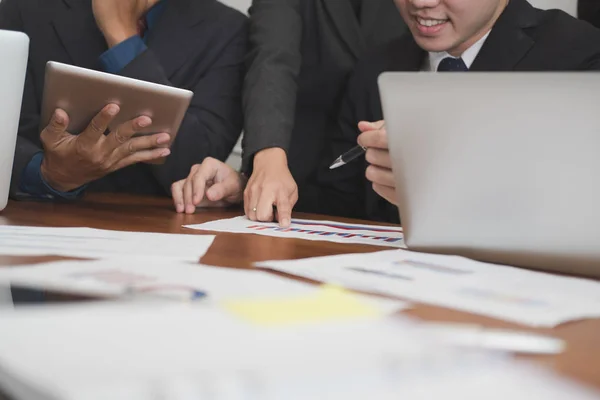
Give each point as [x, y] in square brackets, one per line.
[523, 39]
[301, 55]
[589, 10]
[198, 45]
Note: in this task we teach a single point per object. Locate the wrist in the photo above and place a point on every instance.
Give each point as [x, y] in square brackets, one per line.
[116, 36]
[53, 181]
[268, 157]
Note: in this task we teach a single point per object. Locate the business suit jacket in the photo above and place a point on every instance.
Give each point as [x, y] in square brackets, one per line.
[523, 39]
[198, 45]
[301, 55]
[589, 10]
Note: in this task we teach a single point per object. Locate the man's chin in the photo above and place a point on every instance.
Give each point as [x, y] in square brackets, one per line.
[433, 45]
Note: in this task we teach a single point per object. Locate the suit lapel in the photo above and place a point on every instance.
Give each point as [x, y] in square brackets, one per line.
[409, 57]
[508, 43]
[171, 39]
[346, 23]
[77, 30]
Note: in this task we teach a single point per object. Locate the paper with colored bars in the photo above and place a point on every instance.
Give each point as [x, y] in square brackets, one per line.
[503, 292]
[390, 236]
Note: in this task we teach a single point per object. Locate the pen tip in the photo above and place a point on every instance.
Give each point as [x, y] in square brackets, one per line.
[337, 163]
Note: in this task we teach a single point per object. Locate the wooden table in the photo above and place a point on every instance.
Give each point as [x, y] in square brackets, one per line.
[581, 361]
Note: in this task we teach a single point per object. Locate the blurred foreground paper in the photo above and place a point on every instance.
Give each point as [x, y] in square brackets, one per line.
[176, 352]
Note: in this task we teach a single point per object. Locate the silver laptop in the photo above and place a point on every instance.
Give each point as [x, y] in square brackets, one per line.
[499, 167]
[14, 48]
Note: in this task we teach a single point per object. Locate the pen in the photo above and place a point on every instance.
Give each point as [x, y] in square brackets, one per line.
[348, 156]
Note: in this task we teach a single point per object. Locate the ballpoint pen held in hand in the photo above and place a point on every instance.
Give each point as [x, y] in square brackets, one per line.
[349, 156]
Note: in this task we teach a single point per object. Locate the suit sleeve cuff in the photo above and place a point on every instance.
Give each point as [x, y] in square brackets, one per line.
[115, 59]
[33, 184]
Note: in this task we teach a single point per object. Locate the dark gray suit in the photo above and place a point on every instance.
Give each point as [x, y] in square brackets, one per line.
[198, 45]
[523, 39]
[302, 53]
[589, 10]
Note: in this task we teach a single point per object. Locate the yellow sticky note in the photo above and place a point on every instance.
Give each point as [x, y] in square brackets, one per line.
[330, 303]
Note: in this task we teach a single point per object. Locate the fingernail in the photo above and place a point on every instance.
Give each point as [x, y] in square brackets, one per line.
[113, 110]
[163, 139]
[59, 118]
[144, 122]
[179, 208]
[165, 152]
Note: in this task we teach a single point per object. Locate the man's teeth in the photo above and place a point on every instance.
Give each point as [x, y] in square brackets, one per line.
[430, 22]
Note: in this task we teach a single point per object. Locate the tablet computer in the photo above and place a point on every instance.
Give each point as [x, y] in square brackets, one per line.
[83, 93]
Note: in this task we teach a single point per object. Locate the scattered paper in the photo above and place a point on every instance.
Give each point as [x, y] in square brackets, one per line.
[147, 277]
[144, 278]
[326, 304]
[311, 230]
[508, 293]
[99, 243]
[179, 353]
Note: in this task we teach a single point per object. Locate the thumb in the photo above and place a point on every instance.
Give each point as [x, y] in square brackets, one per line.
[227, 188]
[58, 124]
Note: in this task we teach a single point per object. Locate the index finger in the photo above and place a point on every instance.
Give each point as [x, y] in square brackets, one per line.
[284, 211]
[375, 139]
[100, 122]
[364, 126]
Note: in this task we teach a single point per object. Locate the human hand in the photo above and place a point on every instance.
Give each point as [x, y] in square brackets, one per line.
[210, 184]
[71, 161]
[379, 172]
[271, 184]
[118, 19]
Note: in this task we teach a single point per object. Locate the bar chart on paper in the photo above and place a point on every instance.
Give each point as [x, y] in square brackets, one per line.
[390, 236]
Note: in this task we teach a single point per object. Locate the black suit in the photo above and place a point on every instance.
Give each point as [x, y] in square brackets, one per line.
[198, 45]
[589, 10]
[301, 55]
[523, 39]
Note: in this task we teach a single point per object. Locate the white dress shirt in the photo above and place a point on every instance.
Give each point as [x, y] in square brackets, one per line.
[468, 57]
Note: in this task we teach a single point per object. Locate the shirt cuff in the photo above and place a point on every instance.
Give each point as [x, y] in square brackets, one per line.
[33, 184]
[115, 59]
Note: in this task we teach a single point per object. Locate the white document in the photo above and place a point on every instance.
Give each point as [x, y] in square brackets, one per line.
[99, 243]
[187, 353]
[389, 236]
[146, 279]
[144, 276]
[502, 292]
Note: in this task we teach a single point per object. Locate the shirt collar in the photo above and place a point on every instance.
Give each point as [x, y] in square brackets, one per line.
[435, 58]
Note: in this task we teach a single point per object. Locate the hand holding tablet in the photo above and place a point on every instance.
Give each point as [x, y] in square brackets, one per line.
[94, 123]
[71, 161]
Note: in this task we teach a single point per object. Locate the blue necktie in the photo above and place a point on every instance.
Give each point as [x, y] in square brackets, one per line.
[450, 64]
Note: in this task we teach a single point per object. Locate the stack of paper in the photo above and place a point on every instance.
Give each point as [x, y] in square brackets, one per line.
[184, 353]
[512, 294]
[99, 243]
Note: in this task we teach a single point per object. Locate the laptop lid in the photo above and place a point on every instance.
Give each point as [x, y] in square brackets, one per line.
[14, 49]
[502, 167]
